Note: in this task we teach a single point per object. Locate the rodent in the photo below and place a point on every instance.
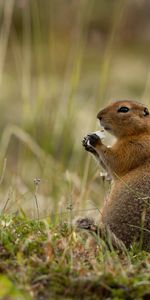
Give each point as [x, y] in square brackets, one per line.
[126, 213]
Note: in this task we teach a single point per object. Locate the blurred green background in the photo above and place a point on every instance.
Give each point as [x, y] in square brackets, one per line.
[60, 62]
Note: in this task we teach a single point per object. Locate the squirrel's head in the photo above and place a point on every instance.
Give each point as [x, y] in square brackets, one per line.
[125, 118]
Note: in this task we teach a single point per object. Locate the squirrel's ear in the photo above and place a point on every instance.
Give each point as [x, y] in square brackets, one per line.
[146, 112]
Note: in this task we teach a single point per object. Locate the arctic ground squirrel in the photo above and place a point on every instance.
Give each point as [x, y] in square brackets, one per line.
[126, 213]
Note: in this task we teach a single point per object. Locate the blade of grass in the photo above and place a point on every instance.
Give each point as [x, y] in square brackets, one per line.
[8, 7]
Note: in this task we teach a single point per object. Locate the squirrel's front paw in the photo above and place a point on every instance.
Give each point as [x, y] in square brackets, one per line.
[91, 140]
[87, 146]
[94, 139]
[85, 143]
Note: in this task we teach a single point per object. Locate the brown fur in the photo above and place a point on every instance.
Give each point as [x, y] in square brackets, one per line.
[127, 211]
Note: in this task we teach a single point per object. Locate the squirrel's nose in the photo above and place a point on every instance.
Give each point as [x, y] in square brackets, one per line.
[99, 116]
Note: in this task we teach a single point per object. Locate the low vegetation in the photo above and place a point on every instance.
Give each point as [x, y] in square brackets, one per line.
[40, 260]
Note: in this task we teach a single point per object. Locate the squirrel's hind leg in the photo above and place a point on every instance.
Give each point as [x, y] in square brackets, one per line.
[103, 232]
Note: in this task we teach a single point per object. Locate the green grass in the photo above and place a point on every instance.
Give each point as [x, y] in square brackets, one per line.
[40, 260]
[54, 77]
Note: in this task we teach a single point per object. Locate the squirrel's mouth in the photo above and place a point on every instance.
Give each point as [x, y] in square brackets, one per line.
[104, 125]
[107, 128]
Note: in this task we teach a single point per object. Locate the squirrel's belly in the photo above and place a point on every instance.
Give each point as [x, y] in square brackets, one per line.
[127, 211]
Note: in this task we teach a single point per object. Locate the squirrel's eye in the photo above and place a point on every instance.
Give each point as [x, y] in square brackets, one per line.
[146, 112]
[123, 109]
